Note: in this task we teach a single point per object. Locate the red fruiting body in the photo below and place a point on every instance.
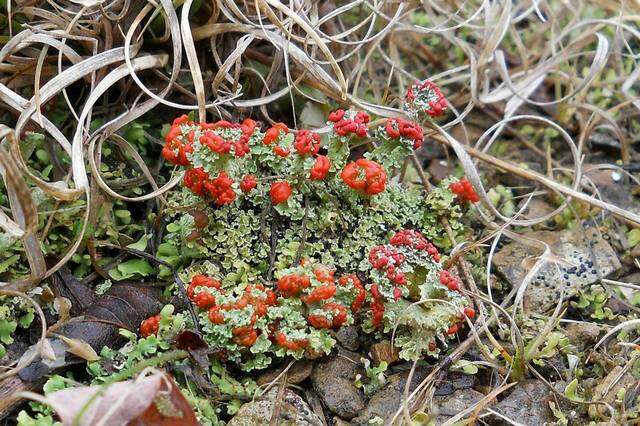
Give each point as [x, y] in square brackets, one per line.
[294, 345]
[397, 293]
[150, 326]
[349, 126]
[280, 192]
[291, 285]
[183, 119]
[271, 298]
[204, 300]
[464, 191]
[319, 293]
[386, 258]
[339, 313]
[280, 151]
[469, 312]
[215, 142]
[176, 148]
[447, 279]
[399, 127]
[336, 115]
[365, 175]
[196, 180]
[452, 330]
[216, 316]
[220, 189]
[319, 321]
[432, 346]
[248, 183]
[377, 307]
[241, 147]
[324, 274]
[245, 336]
[414, 239]
[427, 97]
[375, 293]
[307, 142]
[273, 133]
[248, 126]
[357, 285]
[320, 168]
[201, 281]
[176, 152]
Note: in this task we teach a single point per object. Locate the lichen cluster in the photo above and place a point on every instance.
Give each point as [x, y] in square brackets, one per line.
[285, 237]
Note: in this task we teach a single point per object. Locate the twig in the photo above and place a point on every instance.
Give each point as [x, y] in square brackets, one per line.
[303, 237]
[176, 278]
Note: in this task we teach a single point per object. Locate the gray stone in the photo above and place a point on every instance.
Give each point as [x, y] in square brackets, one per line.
[450, 405]
[298, 372]
[333, 380]
[292, 410]
[454, 381]
[613, 186]
[439, 169]
[348, 337]
[583, 334]
[528, 404]
[388, 399]
[608, 388]
[536, 208]
[583, 257]
[384, 351]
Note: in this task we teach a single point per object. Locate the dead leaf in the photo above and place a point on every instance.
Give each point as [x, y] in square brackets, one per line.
[46, 350]
[80, 348]
[151, 400]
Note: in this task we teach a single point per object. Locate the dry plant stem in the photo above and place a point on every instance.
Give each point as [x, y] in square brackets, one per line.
[273, 421]
[445, 224]
[464, 268]
[626, 215]
[43, 333]
[303, 236]
[10, 390]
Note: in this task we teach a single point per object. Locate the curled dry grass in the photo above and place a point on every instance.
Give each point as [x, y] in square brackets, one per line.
[233, 58]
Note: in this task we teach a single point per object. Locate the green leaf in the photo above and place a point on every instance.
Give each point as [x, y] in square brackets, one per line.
[571, 391]
[55, 383]
[467, 367]
[131, 268]
[634, 237]
[25, 320]
[173, 227]
[141, 244]
[7, 263]
[6, 330]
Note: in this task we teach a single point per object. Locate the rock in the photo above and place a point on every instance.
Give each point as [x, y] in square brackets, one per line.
[577, 269]
[298, 372]
[613, 186]
[454, 381]
[583, 334]
[537, 207]
[450, 405]
[388, 399]
[439, 169]
[633, 278]
[528, 404]
[348, 337]
[292, 411]
[608, 388]
[315, 403]
[333, 380]
[384, 351]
